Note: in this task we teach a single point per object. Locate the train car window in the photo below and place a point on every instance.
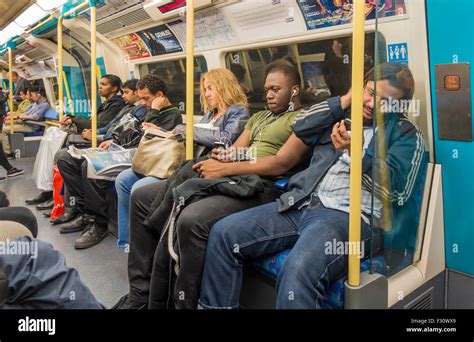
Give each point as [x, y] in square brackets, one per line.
[174, 75]
[54, 87]
[403, 215]
[37, 83]
[324, 66]
[78, 83]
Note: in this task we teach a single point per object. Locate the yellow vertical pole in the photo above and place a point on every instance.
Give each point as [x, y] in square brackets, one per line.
[60, 69]
[356, 140]
[68, 94]
[94, 75]
[298, 62]
[10, 80]
[189, 79]
[247, 69]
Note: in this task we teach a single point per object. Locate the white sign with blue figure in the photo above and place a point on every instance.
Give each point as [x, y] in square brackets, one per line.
[398, 53]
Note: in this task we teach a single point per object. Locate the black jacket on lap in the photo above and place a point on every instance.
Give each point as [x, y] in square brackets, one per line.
[106, 112]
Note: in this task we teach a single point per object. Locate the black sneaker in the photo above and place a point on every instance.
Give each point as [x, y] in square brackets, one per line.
[94, 234]
[13, 172]
[2, 178]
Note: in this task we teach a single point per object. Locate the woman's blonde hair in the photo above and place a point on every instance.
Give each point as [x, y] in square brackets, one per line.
[226, 86]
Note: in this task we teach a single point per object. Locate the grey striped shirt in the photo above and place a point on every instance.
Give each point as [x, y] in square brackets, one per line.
[334, 189]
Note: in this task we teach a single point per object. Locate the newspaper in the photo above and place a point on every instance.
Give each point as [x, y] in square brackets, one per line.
[104, 164]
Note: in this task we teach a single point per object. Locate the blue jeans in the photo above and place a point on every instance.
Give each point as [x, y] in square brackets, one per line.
[307, 272]
[126, 183]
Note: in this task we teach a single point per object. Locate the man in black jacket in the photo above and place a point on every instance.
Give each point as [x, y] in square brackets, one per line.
[89, 196]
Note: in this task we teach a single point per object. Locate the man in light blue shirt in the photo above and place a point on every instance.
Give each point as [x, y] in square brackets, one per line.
[35, 112]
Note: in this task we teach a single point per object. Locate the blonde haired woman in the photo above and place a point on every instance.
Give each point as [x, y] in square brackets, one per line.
[225, 106]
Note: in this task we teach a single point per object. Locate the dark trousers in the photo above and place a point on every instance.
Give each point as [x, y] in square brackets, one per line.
[3, 159]
[87, 195]
[44, 281]
[21, 215]
[149, 260]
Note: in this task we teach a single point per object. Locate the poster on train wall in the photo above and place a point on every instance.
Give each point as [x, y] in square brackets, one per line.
[328, 13]
[133, 46]
[154, 41]
[160, 40]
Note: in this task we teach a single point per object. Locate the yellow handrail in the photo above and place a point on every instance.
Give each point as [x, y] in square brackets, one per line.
[94, 75]
[68, 94]
[10, 95]
[181, 65]
[189, 79]
[60, 69]
[356, 140]
[40, 25]
[246, 66]
[99, 73]
[77, 8]
[298, 62]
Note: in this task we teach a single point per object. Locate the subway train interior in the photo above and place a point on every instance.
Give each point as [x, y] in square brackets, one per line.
[130, 181]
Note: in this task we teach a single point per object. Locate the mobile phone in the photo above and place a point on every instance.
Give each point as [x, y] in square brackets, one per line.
[219, 144]
[347, 123]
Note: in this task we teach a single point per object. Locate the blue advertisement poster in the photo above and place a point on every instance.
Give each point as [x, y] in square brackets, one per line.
[328, 13]
[160, 40]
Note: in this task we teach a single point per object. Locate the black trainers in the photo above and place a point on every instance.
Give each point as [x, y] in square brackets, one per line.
[94, 234]
[2, 178]
[13, 172]
[125, 304]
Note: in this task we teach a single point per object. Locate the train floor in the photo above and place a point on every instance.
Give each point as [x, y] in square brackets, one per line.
[103, 267]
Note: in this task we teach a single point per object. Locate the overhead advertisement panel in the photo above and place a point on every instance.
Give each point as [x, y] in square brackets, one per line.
[154, 41]
[327, 13]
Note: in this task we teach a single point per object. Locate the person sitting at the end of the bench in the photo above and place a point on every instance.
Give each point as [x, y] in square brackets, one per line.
[35, 112]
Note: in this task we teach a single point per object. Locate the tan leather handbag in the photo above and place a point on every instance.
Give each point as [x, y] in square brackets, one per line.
[159, 154]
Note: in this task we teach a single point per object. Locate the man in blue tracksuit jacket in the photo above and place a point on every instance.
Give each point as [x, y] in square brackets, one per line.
[313, 215]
